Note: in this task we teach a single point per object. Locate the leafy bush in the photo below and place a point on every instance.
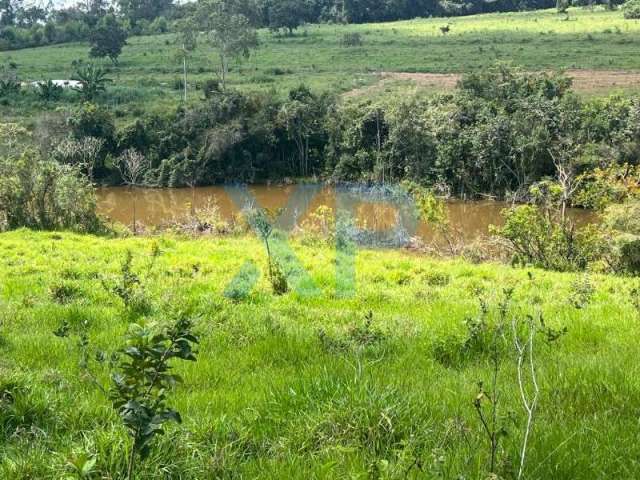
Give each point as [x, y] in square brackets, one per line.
[277, 278]
[623, 218]
[582, 291]
[49, 91]
[539, 238]
[623, 223]
[140, 386]
[631, 9]
[43, 194]
[93, 79]
[129, 287]
[630, 256]
[9, 80]
[601, 187]
[90, 120]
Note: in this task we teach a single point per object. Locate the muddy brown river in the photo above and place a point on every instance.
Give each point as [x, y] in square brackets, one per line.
[155, 207]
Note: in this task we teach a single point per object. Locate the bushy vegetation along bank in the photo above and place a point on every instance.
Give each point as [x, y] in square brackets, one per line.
[502, 131]
[296, 387]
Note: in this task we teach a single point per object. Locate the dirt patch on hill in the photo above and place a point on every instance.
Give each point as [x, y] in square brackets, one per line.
[584, 81]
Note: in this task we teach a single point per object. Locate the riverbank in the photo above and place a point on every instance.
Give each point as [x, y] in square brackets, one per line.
[300, 386]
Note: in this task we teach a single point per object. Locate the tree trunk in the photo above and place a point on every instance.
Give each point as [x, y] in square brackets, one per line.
[223, 63]
[134, 211]
[185, 72]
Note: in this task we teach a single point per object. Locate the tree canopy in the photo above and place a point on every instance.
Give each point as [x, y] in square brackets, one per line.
[108, 38]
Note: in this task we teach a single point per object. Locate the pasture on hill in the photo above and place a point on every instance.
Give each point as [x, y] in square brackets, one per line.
[149, 73]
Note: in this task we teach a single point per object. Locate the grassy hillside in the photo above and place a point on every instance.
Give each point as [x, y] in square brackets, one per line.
[268, 398]
[535, 40]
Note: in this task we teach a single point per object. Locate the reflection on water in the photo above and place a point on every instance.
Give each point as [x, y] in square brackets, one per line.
[157, 206]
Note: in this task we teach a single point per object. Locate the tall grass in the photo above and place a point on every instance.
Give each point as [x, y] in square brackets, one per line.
[268, 398]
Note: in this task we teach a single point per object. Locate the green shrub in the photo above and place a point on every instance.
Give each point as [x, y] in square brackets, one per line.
[631, 9]
[89, 120]
[45, 195]
[278, 278]
[49, 91]
[630, 257]
[624, 218]
[540, 238]
[623, 224]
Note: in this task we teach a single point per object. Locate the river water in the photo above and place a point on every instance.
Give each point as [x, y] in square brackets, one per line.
[155, 207]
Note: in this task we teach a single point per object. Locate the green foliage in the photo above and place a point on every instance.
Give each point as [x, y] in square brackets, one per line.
[622, 221]
[9, 79]
[582, 291]
[64, 292]
[539, 237]
[602, 187]
[82, 466]
[93, 78]
[624, 217]
[22, 406]
[43, 194]
[107, 39]
[230, 33]
[631, 9]
[278, 278]
[90, 120]
[137, 10]
[287, 15]
[129, 288]
[143, 380]
[49, 91]
[630, 256]
[242, 284]
[484, 138]
[455, 352]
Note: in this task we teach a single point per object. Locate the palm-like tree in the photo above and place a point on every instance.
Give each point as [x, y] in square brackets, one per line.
[93, 79]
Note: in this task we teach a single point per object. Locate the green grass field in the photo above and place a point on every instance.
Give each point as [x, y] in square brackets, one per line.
[535, 40]
[266, 400]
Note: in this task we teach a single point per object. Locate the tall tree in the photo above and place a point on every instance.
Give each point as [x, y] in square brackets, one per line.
[229, 32]
[108, 38]
[136, 10]
[187, 42]
[30, 16]
[287, 14]
[8, 10]
[94, 10]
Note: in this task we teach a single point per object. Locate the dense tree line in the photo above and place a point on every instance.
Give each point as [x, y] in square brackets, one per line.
[499, 133]
[23, 25]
